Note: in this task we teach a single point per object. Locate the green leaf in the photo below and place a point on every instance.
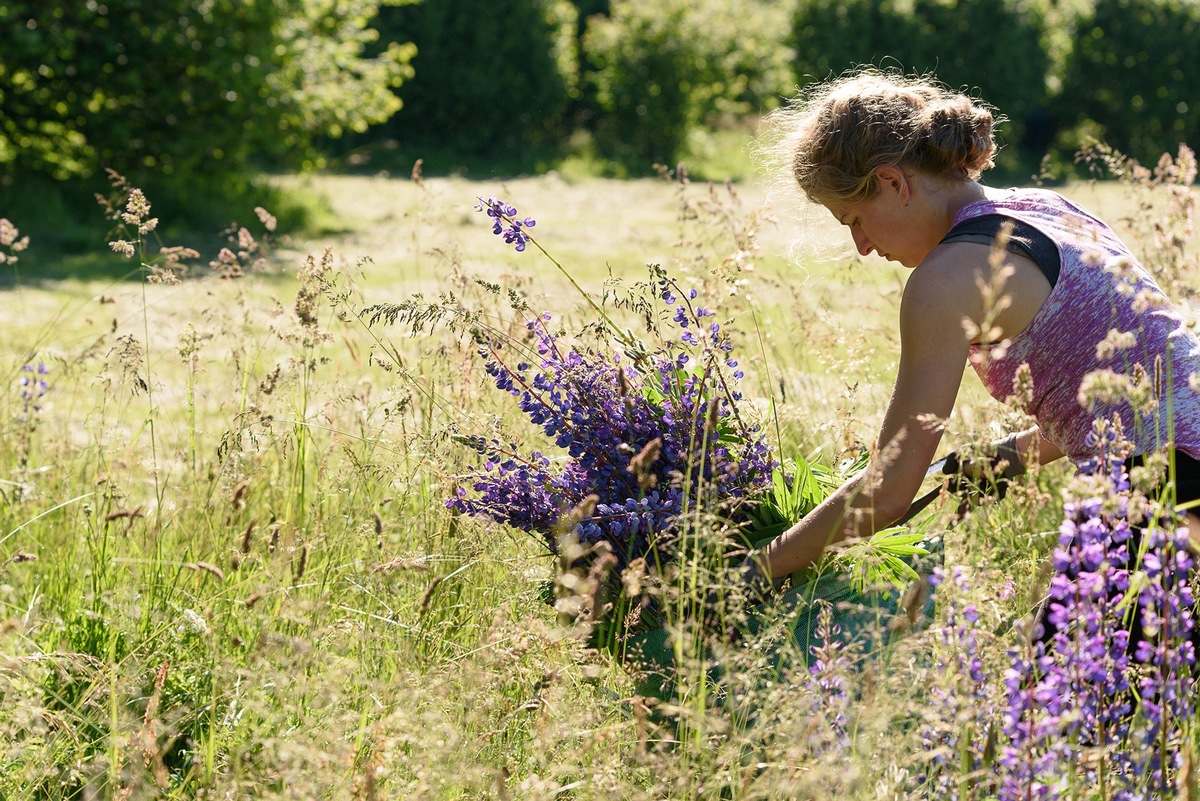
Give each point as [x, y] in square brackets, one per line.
[884, 558]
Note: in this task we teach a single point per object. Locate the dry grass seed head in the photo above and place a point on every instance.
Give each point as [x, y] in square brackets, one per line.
[205, 567]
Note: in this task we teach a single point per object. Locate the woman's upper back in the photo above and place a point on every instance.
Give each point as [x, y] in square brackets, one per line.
[1105, 316]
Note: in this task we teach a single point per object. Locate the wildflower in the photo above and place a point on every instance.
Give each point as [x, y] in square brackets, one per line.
[829, 674]
[1115, 342]
[1165, 651]
[8, 234]
[1073, 708]
[11, 238]
[123, 247]
[266, 218]
[505, 222]
[958, 734]
[599, 409]
[136, 208]
[33, 386]
[193, 622]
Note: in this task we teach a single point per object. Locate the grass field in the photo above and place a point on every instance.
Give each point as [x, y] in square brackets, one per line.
[226, 565]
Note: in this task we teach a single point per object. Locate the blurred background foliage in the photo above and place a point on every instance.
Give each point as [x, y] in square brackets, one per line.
[201, 98]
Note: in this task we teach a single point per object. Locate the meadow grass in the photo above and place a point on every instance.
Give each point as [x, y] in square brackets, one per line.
[226, 565]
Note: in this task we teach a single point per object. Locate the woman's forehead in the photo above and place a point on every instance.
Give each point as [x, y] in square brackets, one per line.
[840, 210]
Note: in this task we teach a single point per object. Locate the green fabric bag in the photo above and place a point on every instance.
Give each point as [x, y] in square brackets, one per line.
[860, 619]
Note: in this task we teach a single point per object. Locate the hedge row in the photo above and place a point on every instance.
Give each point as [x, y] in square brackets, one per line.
[217, 88]
[639, 77]
[186, 89]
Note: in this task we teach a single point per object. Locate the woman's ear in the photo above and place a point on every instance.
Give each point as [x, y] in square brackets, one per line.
[894, 179]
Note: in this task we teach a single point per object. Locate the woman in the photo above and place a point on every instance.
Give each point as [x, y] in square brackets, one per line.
[898, 162]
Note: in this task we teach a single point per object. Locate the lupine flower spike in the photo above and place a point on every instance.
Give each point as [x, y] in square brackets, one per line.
[33, 386]
[505, 222]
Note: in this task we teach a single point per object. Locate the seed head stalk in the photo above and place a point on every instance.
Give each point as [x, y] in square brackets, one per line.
[620, 335]
[146, 271]
[135, 220]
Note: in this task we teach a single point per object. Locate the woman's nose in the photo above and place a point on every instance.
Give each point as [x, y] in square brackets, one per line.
[865, 248]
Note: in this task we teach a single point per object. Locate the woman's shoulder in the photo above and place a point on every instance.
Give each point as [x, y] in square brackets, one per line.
[962, 286]
[949, 276]
[1045, 209]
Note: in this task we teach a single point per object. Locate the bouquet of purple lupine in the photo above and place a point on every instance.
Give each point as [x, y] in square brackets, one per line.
[660, 481]
[640, 441]
[650, 436]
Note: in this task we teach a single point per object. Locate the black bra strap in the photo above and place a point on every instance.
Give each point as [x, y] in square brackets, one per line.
[1025, 241]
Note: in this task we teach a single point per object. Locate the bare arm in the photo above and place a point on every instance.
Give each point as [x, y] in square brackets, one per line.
[934, 350]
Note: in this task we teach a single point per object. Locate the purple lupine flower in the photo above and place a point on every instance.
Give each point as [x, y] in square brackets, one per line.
[1073, 710]
[829, 670]
[1089, 645]
[957, 735]
[33, 386]
[505, 222]
[1166, 652]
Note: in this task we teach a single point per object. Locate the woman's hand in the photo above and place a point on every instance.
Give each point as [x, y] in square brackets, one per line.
[973, 479]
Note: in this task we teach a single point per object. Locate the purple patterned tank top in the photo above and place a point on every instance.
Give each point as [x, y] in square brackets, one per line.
[1101, 287]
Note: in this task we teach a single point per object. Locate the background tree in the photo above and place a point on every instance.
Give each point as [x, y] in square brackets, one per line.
[491, 77]
[185, 93]
[664, 69]
[819, 37]
[1131, 78]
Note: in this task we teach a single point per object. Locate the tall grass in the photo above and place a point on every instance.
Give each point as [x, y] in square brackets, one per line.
[227, 568]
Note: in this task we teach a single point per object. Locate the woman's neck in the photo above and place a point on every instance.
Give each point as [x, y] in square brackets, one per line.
[947, 198]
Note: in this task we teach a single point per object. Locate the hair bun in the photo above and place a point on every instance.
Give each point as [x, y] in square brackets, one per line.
[961, 132]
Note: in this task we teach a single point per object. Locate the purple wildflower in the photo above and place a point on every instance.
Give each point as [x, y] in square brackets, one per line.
[957, 735]
[828, 679]
[1093, 696]
[33, 386]
[505, 222]
[1165, 652]
[1029, 761]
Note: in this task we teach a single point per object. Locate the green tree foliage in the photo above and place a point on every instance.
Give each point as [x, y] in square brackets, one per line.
[995, 48]
[824, 45]
[1131, 78]
[491, 76]
[991, 48]
[185, 90]
[585, 107]
[662, 69]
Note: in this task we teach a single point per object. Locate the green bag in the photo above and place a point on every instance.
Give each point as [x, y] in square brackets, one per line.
[861, 621]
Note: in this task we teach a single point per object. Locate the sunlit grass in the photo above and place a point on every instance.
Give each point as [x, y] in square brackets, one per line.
[300, 616]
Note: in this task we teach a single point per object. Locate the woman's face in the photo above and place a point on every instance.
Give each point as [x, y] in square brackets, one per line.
[888, 223]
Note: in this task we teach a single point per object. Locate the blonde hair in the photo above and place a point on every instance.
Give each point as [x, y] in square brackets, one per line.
[841, 131]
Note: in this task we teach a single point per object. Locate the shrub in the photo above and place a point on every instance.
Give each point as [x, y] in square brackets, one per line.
[822, 48]
[1133, 73]
[491, 76]
[662, 70]
[184, 89]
